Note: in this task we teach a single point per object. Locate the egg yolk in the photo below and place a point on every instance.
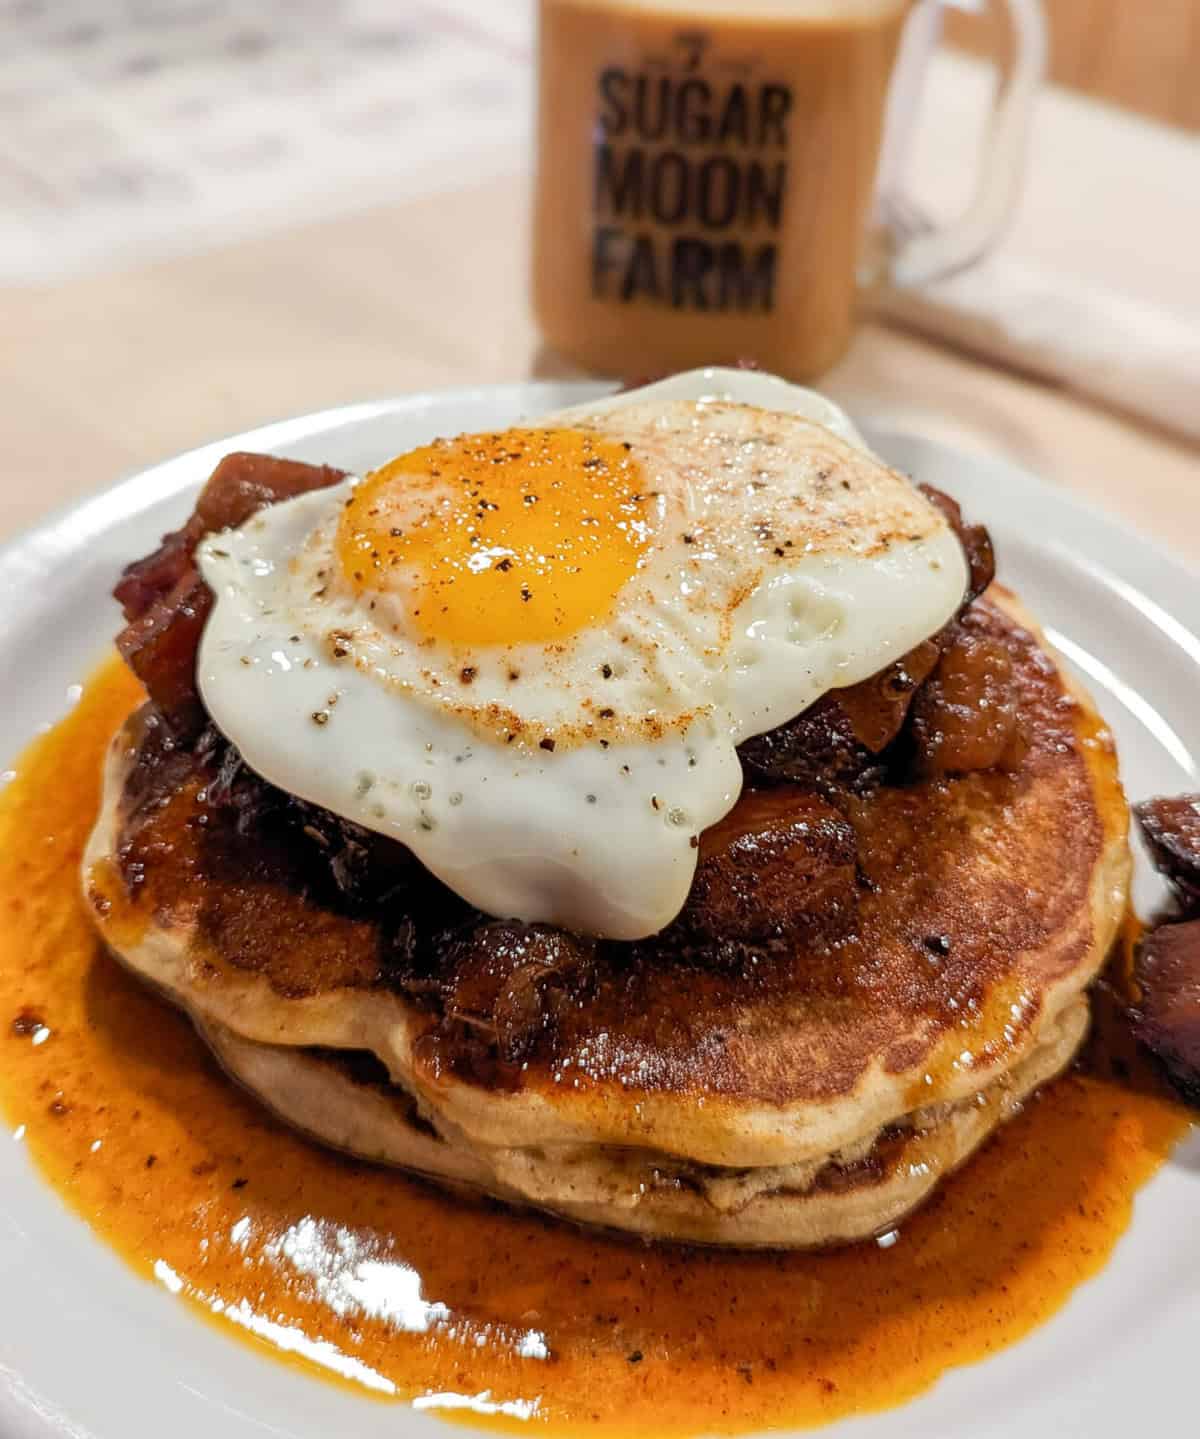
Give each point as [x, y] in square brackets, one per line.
[498, 539]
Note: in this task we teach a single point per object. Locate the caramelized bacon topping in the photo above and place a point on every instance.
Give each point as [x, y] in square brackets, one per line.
[966, 716]
[163, 596]
[1167, 1021]
[817, 750]
[975, 541]
[501, 988]
[1172, 832]
[782, 862]
[160, 645]
[876, 707]
[848, 739]
[359, 868]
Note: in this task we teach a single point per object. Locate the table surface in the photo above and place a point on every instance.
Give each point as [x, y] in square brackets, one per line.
[106, 373]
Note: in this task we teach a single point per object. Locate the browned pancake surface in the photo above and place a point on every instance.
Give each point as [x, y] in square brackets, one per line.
[976, 903]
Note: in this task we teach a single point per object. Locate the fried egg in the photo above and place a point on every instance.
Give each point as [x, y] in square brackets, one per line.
[529, 655]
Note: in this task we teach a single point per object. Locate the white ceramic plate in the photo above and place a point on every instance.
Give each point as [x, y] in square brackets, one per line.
[88, 1349]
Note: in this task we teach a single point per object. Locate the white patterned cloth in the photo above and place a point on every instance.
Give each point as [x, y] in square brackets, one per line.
[134, 128]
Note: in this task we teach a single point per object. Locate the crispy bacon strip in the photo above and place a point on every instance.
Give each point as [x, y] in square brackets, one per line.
[164, 598]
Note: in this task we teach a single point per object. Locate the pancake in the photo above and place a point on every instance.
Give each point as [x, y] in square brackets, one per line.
[811, 1097]
[860, 1191]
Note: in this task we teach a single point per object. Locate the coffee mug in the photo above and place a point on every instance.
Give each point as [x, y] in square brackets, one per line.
[706, 174]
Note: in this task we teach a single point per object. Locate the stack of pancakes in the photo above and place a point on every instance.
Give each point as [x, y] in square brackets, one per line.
[805, 1099]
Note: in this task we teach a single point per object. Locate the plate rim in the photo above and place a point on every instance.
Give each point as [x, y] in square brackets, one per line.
[131, 484]
[26, 1413]
[103, 498]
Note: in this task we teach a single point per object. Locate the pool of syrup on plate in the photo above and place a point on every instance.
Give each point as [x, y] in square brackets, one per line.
[384, 1284]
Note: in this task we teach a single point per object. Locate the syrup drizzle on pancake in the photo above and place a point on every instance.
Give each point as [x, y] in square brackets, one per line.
[405, 1293]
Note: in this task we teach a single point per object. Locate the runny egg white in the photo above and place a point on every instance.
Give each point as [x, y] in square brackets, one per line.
[529, 655]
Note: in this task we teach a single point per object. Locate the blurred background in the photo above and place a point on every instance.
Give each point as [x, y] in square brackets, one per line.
[1142, 56]
[218, 212]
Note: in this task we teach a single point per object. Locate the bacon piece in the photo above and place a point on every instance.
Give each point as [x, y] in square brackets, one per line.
[1167, 1019]
[836, 743]
[967, 715]
[365, 868]
[876, 707]
[975, 540]
[1172, 831]
[501, 986]
[782, 862]
[160, 648]
[239, 487]
[148, 581]
[165, 600]
[817, 750]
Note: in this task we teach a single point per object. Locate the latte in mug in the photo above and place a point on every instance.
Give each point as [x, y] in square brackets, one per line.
[705, 177]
